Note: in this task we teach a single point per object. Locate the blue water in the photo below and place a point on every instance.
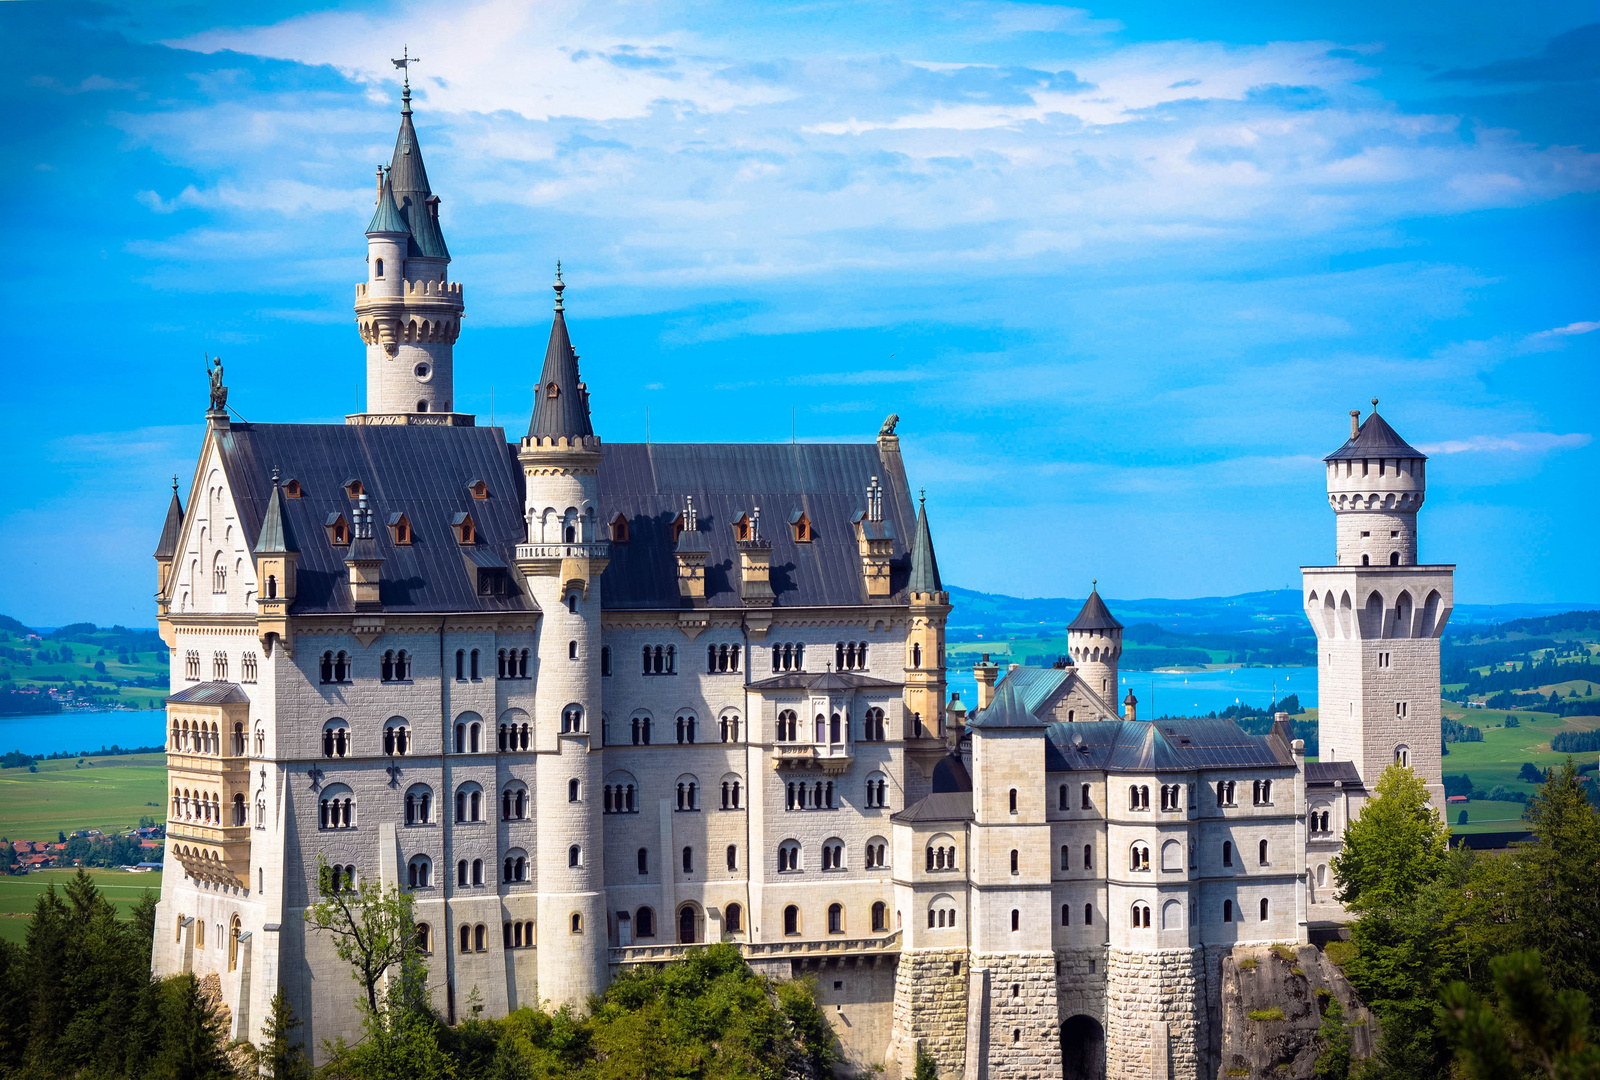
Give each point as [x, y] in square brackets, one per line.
[1193, 693]
[74, 732]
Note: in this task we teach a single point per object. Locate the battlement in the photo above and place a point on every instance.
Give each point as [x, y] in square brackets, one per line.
[448, 291]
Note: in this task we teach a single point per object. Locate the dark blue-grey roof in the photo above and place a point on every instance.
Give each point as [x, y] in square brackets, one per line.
[171, 528]
[1326, 772]
[824, 680]
[420, 471]
[209, 693]
[1375, 439]
[951, 775]
[1160, 746]
[411, 192]
[1095, 615]
[646, 483]
[924, 567]
[277, 535]
[938, 807]
[560, 401]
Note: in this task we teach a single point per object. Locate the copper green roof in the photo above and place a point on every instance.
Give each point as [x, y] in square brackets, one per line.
[386, 218]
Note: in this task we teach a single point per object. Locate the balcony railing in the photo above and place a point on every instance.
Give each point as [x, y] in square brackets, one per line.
[786, 948]
[598, 549]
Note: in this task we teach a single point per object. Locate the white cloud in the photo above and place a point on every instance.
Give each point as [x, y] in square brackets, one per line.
[1569, 330]
[1535, 442]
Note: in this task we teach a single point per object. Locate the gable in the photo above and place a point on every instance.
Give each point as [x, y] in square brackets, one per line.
[213, 568]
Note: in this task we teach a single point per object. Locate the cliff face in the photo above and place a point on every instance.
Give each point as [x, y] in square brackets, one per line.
[1273, 1000]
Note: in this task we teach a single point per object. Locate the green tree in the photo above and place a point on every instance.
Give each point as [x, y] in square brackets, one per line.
[1397, 844]
[1555, 891]
[373, 931]
[926, 1067]
[190, 1046]
[281, 1058]
[1333, 1060]
[1535, 1032]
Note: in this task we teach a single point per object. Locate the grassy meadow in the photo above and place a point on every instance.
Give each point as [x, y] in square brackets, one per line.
[106, 793]
[19, 894]
[1499, 757]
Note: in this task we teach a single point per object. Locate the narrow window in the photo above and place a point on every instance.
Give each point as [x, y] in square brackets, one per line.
[1227, 853]
[1016, 919]
[1263, 909]
[733, 856]
[688, 860]
[1088, 914]
[1013, 800]
[1227, 911]
[1014, 869]
[1263, 854]
[644, 860]
[1085, 803]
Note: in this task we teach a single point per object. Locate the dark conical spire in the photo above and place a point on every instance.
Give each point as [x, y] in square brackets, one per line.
[172, 528]
[409, 180]
[386, 218]
[1374, 438]
[561, 401]
[1095, 615]
[276, 538]
[924, 566]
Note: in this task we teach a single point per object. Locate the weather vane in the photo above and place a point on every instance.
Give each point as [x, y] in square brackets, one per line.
[405, 62]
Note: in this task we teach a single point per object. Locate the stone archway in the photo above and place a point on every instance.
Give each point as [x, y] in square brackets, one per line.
[1083, 1049]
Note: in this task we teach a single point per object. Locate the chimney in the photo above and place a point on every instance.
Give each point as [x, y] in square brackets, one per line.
[875, 541]
[986, 673]
[755, 566]
[691, 552]
[1130, 707]
[380, 186]
[1355, 422]
[364, 563]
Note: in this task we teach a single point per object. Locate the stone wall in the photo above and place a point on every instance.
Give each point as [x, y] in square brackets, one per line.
[1296, 981]
[930, 1010]
[1155, 1014]
[1024, 1038]
[1081, 984]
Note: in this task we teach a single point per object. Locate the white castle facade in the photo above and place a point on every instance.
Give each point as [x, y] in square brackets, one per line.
[593, 704]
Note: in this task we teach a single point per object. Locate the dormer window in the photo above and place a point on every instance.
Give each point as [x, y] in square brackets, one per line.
[338, 529]
[353, 488]
[619, 530]
[293, 489]
[491, 581]
[465, 529]
[552, 391]
[399, 528]
[801, 524]
[741, 528]
[678, 526]
[479, 489]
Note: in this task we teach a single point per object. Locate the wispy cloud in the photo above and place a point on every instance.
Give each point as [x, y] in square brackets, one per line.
[1534, 442]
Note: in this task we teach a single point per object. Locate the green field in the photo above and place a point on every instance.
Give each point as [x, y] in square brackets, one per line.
[1499, 757]
[124, 654]
[107, 793]
[19, 894]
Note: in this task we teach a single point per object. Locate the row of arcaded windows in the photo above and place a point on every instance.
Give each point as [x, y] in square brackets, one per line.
[830, 729]
[199, 737]
[875, 855]
[219, 666]
[1172, 914]
[879, 919]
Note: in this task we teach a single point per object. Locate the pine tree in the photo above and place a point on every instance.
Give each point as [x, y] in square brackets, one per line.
[926, 1068]
[1333, 1062]
[190, 1047]
[280, 1058]
[1536, 1031]
[1555, 891]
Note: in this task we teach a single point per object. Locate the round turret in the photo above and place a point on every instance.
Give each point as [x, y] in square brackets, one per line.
[1376, 483]
[1094, 640]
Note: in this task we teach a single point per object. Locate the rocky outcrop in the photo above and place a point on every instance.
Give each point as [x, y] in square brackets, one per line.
[1273, 1001]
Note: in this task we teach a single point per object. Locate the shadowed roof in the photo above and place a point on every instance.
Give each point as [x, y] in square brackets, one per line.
[209, 693]
[1375, 439]
[1163, 745]
[1095, 615]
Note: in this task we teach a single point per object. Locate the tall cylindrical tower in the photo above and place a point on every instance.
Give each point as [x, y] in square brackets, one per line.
[562, 562]
[1376, 483]
[408, 310]
[1094, 640]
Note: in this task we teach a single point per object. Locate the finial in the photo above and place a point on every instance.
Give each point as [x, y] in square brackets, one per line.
[559, 287]
[1374, 404]
[404, 64]
[274, 476]
[1094, 584]
[922, 496]
[174, 483]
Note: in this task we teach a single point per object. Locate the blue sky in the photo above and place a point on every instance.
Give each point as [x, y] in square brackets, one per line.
[1122, 271]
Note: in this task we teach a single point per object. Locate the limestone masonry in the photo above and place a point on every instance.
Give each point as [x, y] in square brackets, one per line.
[593, 704]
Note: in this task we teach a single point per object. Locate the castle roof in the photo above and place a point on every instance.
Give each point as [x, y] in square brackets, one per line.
[276, 536]
[1095, 615]
[413, 198]
[938, 807]
[1159, 746]
[1036, 686]
[560, 401]
[172, 528]
[1375, 439]
[423, 472]
[823, 680]
[924, 567]
[1326, 773]
[210, 693]
[386, 218]
[1009, 709]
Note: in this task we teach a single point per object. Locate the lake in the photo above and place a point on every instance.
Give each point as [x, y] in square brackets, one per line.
[72, 732]
[1192, 693]
[1183, 693]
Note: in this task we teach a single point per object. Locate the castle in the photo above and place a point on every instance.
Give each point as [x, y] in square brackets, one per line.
[594, 703]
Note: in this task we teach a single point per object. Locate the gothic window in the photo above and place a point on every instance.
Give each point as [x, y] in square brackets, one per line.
[191, 665]
[873, 727]
[336, 808]
[219, 666]
[877, 791]
[515, 867]
[419, 805]
[219, 575]
[1141, 916]
[247, 667]
[788, 726]
[336, 739]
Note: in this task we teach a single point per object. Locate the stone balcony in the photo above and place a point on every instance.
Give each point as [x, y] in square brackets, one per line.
[793, 949]
[597, 549]
[219, 854]
[834, 759]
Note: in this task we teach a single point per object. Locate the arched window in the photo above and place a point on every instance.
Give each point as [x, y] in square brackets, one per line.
[469, 802]
[572, 650]
[419, 804]
[336, 808]
[686, 728]
[1172, 915]
[1016, 919]
[877, 791]
[688, 860]
[1014, 856]
[572, 790]
[1013, 800]
[1402, 757]
[688, 793]
[1139, 856]
[1141, 916]
[1088, 856]
[336, 738]
[575, 855]
[424, 938]
[1227, 911]
[514, 801]
[235, 928]
[514, 868]
[788, 726]
[1264, 909]
[397, 736]
[577, 923]
[572, 719]
[789, 857]
[480, 935]
[733, 919]
[1171, 855]
[1088, 914]
[880, 917]
[733, 857]
[377, 268]
[791, 920]
[644, 922]
[835, 918]
[1227, 853]
[1262, 857]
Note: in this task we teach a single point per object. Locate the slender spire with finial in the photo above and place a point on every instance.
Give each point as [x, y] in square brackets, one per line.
[560, 287]
[174, 483]
[404, 64]
[561, 406]
[924, 566]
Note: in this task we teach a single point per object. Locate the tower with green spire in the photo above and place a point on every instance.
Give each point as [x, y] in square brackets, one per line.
[408, 310]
